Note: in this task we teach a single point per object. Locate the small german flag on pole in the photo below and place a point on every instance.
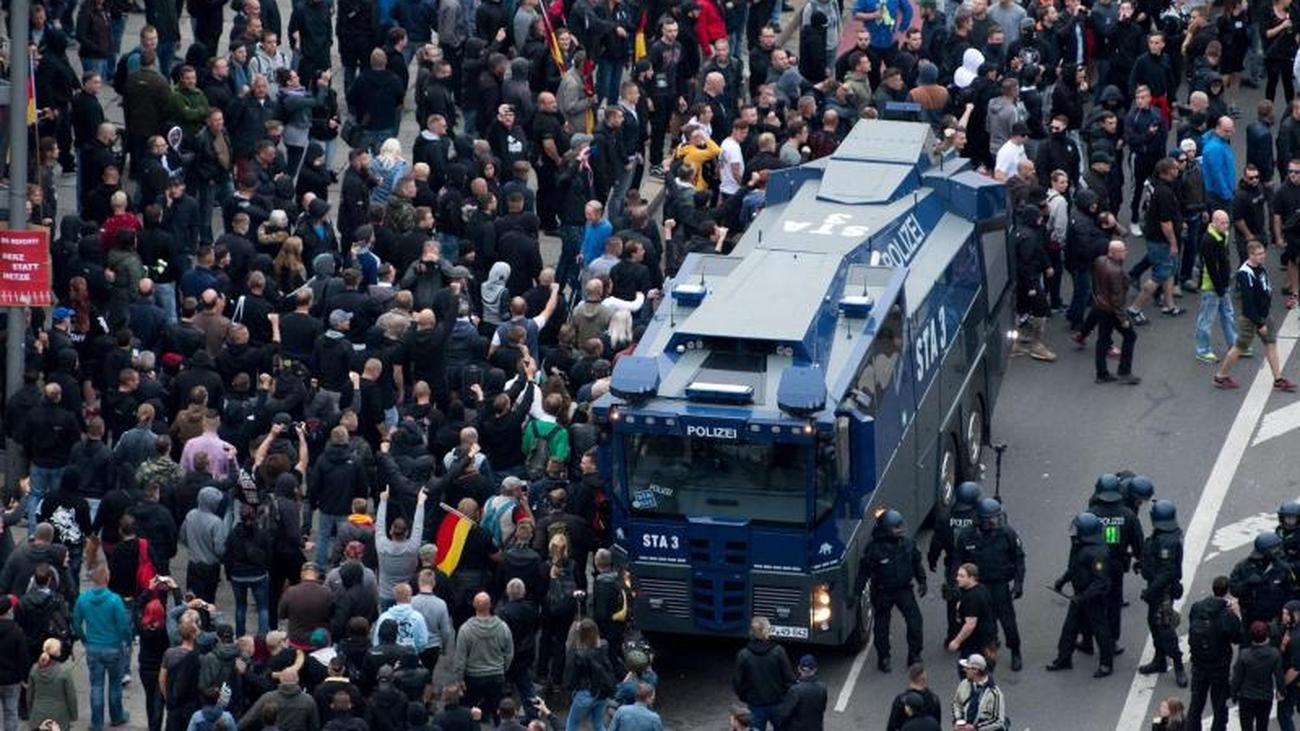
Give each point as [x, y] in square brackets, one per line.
[453, 531]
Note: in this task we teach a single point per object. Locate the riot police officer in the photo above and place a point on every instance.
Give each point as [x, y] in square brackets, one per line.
[1122, 534]
[892, 563]
[1262, 581]
[1089, 575]
[995, 548]
[1137, 489]
[1162, 567]
[1288, 527]
[943, 542]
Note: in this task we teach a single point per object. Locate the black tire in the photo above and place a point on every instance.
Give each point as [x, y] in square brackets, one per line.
[974, 440]
[862, 622]
[951, 471]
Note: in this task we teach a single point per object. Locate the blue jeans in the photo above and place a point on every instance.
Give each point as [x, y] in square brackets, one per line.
[166, 53]
[1081, 283]
[103, 660]
[618, 195]
[117, 25]
[327, 526]
[761, 716]
[375, 138]
[45, 483]
[585, 706]
[164, 293]
[261, 589]
[1162, 261]
[449, 245]
[1212, 304]
[609, 74]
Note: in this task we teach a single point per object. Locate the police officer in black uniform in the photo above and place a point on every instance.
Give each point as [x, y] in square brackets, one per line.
[961, 517]
[1162, 567]
[1089, 575]
[1288, 527]
[1263, 581]
[995, 548]
[1122, 534]
[892, 562]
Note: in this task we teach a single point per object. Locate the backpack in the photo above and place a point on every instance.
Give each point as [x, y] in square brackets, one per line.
[602, 676]
[144, 569]
[1202, 631]
[498, 518]
[560, 601]
[120, 74]
[540, 451]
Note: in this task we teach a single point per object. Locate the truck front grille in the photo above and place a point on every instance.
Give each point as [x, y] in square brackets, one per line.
[666, 596]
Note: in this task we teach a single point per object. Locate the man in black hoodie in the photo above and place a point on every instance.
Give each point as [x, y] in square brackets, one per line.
[52, 431]
[15, 663]
[763, 674]
[333, 481]
[23, 562]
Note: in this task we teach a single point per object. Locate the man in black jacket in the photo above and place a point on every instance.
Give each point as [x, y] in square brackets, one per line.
[354, 202]
[1214, 627]
[762, 675]
[333, 481]
[15, 663]
[523, 618]
[52, 431]
[804, 707]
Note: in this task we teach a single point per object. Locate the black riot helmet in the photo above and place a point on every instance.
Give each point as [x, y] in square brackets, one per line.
[1107, 489]
[1087, 527]
[892, 521]
[989, 512]
[1266, 544]
[1288, 513]
[968, 494]
[1164, 515]
[1140, 488]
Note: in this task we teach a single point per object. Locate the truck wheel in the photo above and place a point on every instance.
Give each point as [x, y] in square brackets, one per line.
[863, 618]
[974, 441]
[950, 468]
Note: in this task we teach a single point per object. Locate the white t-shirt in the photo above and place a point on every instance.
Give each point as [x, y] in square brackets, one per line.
[1009, 157]
[731, 155]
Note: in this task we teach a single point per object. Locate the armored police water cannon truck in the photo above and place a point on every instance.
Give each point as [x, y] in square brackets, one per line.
[844, 358]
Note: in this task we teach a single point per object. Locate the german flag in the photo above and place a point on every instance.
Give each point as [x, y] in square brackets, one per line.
[639, 46]
[453, 531]
[31, 93]
[552, 43]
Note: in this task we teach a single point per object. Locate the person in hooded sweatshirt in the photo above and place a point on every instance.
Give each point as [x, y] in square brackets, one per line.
[204, 533]
[15, 661]
[295, 710]
[412, 631]
[484, 651]
[69, 513]
[763, 674]
[335, 479]
[356, 598]
[101, 621]
[22, 563]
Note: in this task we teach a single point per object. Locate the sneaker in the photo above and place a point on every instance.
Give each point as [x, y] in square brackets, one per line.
[1284, 384]
[656, 171]
[1189, 285]
[1106, 378]
[1207, 357]
[1225, 382]
[1139, 318]
[1172, 311]
[1112, 352]
[126, 718]
[1080, 340]
[1038, 351]
[1128, 379]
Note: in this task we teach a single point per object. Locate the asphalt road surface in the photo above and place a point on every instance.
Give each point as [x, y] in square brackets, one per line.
[1219, 455]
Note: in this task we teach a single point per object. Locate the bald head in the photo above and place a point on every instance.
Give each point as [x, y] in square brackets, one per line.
[482, 604]
[1116, 250]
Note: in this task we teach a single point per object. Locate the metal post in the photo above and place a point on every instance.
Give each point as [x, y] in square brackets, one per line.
[19, 73]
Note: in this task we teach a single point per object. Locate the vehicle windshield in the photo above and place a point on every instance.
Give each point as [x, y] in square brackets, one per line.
[672, 475]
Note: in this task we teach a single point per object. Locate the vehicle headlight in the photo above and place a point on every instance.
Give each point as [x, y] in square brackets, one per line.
[821, 607]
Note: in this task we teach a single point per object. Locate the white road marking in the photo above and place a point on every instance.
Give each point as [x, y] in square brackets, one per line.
[1279, 422]
[1196, 538]
[1240, 534]
[851, 682]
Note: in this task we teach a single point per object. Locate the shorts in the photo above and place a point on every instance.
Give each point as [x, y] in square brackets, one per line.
[1162, 262]
[1291, 252]
[1246, 332]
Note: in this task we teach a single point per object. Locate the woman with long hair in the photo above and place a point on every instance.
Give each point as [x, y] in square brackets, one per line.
[619, 333]
[51, 692]
[1173, 715]
[389, 166]
[290, 272]
[557, 609]
[588, 674]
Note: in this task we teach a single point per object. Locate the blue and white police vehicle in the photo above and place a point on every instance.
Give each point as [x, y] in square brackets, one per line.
[845, 357]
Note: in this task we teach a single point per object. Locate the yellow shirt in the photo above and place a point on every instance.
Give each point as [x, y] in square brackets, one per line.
[697, 156]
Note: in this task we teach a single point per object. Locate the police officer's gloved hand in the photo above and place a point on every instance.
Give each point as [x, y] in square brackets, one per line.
[1017, 590]
[1137, 567]
[1059, 585]
[921, 589]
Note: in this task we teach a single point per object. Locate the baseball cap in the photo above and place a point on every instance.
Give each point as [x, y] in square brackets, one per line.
[976, 661]
[808, 661]
[282, 418]
[459, 272]
[338, 317]
[318, 207]
[1099, 157]
[63, 313]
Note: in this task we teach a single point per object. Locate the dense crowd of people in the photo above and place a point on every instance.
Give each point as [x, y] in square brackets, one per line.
[318, 347]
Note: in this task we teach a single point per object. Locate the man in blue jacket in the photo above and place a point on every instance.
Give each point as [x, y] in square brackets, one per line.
[100, 619]
[883, 19]
[1219, 165]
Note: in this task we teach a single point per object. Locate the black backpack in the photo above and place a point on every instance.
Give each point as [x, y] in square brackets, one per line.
[120, 74]
[183, 681]
[1203, 631]
[560, 601]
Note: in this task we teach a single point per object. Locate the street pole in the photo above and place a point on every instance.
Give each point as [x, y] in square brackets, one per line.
[19, 73]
